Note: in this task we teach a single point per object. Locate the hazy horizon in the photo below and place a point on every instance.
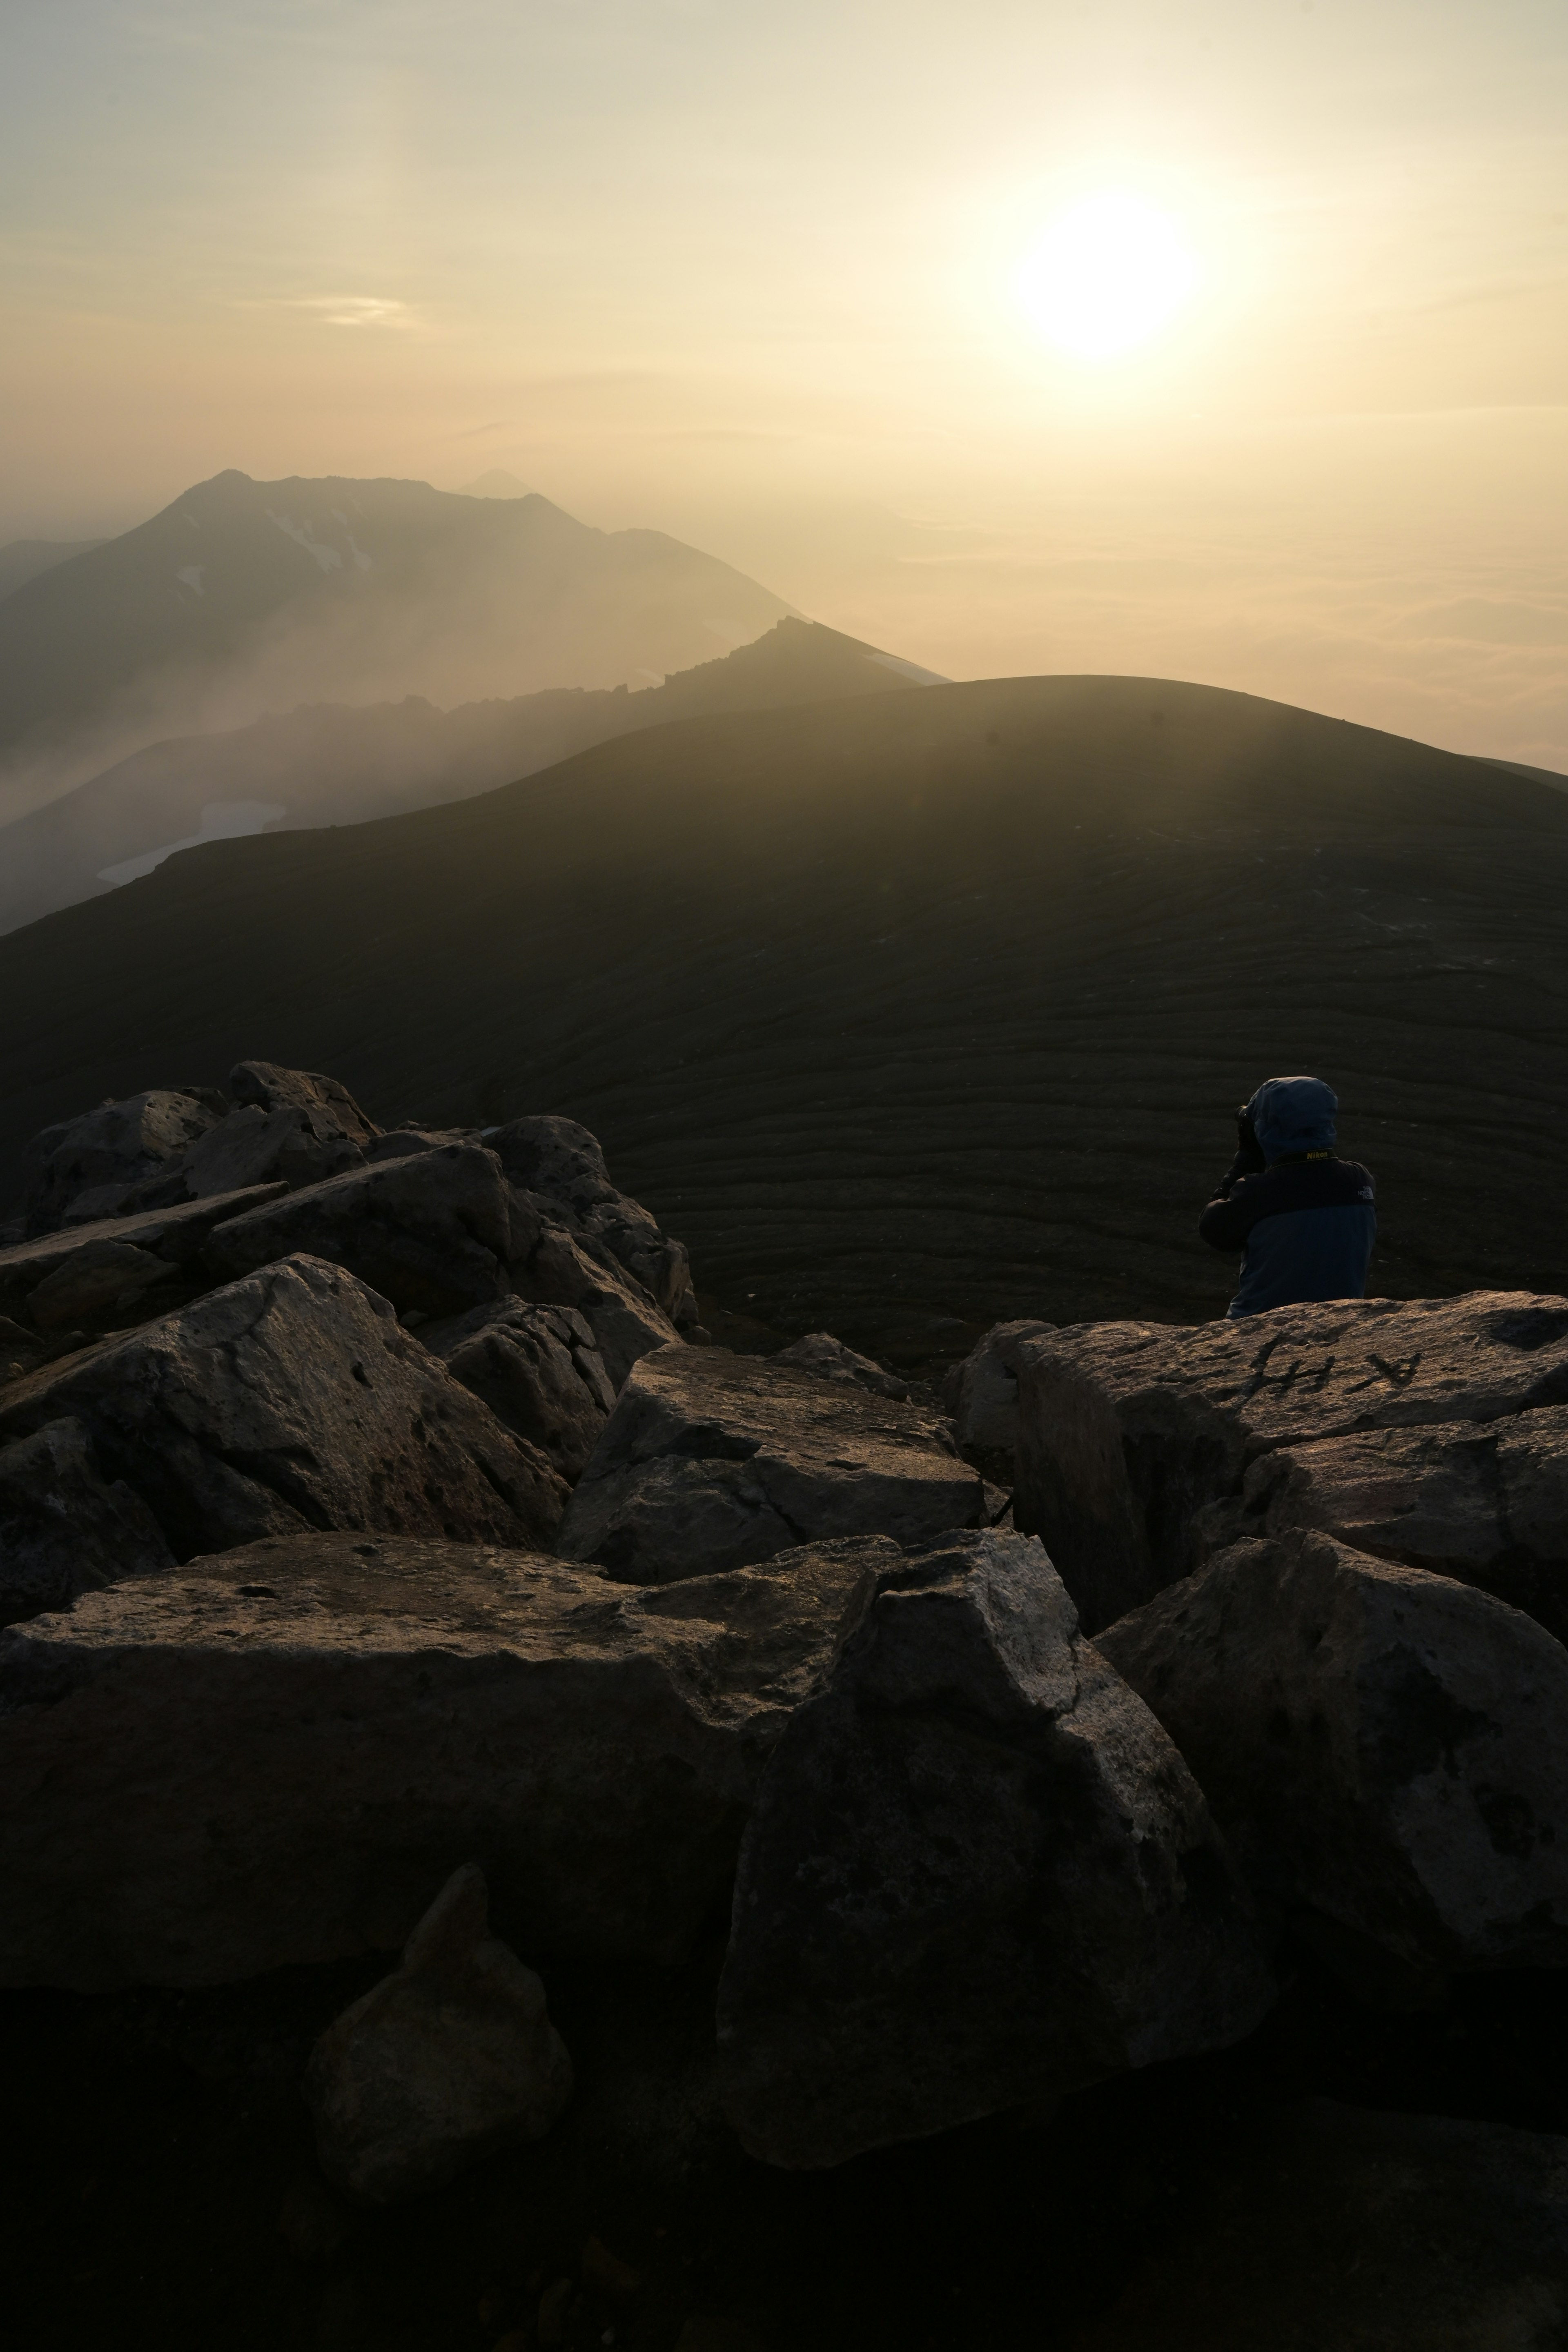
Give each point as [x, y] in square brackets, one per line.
[755, 281]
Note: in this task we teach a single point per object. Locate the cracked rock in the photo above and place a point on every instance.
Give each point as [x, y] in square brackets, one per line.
[711, 1461]
[1485, 1503]
[537, 1369]
[292, 1400]
[977, 1875]
[1383, 1746]
[1126, 1430]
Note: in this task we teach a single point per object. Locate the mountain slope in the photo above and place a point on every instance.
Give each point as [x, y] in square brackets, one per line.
[268, 592]
[906, 1012]
[336, 764]
[22, 560]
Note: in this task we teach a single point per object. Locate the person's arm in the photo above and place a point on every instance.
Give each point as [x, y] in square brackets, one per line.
[1226, 1222]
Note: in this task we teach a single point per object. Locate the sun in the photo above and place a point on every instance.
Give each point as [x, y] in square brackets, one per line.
[1107, 275]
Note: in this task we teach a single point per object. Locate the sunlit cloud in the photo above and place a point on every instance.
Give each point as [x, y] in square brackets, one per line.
[358, 310]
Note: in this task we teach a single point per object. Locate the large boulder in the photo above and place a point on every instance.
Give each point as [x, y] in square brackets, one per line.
[830, 1360]
[73, 1267]
[1382, 1747]
[1326, 2229]
[537, 1369]
[273, 1757]
[1126, 1430]
[711, 1461]
[447, 2059]
[431, 1233]
[977, 1875]
[65, 1528]
[1487, 1503]
[557, 1158]
[95, 1161]
[289, 1401]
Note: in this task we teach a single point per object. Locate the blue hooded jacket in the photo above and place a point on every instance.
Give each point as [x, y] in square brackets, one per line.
[1303, 1220]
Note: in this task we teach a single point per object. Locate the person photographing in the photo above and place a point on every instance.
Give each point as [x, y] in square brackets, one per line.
[1303, 1219]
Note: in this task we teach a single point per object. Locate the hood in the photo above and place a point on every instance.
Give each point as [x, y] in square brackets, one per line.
[1293, 1114]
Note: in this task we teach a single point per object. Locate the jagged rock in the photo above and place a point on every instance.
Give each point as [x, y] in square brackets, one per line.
[560, 1159]
[444, 2061]
[830, 1360]
[431, 1232]
[64, 1527]
[550, 1266]
[1383, 1747]
[272, 1757]
[327, 1107]
[537, 1368]
[981, 1392]
[108, 1151]
[1325, 2226]
[175, 1236]
[1126, 1430]
[711, 1461]
[1487, 1504]
[287, 1401]
[977, 1873]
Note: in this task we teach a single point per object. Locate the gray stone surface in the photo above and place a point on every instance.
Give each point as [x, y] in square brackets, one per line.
[449, 2059]
[431, 1232]
[1383, 1747]
[1126, 1430]
[64, 1527]
[981, 1392]
[175, 1235]
[291, 1400]
[1328, 2229]
[977, 1873]
[108, 1150]
[274, 1756]
[1487, 1504]
[830, 1360]
[537, 1369]
[712, 1460]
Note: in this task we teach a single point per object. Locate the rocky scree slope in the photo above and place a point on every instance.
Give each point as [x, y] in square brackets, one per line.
[910, 1010]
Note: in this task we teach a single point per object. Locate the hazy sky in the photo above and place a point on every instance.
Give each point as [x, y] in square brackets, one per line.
[749, 273]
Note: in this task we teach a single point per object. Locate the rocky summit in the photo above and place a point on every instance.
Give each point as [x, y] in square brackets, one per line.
[623, 1839]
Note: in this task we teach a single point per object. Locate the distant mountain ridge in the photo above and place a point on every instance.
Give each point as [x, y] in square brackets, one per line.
[334, 763]
[245, 596]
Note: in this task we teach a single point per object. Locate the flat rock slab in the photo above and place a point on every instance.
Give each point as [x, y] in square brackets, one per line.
[1126, 1430]
[978, 1875]
[290, 1401]
[276, 1756]
[1329, 2229]
[431, 1232]
[711, 1461]
[1487, 1504]
[175, 1235]
[1382, 1747]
